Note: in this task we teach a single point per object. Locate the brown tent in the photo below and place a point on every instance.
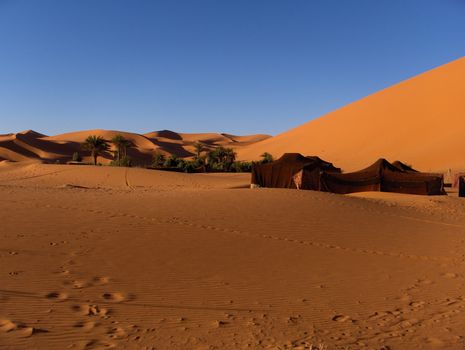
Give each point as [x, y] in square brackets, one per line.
[292, 170]
[385, 177]
[461, 181]
[404, 167]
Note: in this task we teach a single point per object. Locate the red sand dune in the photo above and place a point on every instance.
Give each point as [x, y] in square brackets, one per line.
[31, 145]
[420, 121]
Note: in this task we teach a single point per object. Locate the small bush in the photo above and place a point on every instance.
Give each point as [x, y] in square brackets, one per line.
[124, 162]
[266, 158]
[181, 164]
[171, 162]
[158, 160]
[190, 167]
[241, 167]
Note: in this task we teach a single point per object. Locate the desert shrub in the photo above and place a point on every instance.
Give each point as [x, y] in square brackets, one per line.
[241, 167]
[214, 167]
[171, 162]
[266, 158]
[158, 160]
[200, 161]
[190, 166]
[181, 164]
[124, 161]
[77, 157]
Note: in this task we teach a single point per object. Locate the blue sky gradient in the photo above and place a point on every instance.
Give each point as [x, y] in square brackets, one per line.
[237, 66]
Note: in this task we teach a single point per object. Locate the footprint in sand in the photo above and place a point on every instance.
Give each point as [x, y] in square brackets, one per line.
[435, 342]
[80, 284]
[14, 273]
[117, 333]
[417, 304]
[86, 326]
[424, 281]
[58, 296]
[7, 326]
[26, 332]
[450, 275]
[115, 297]
[90, 310]
[342, 318]
[219, 323]
[95, 344]
[101, 280]
[19, 329]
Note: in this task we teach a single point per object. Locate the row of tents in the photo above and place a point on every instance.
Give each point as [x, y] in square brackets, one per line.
[293, 170]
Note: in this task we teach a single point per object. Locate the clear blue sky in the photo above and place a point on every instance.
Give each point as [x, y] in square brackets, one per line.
[239, 66]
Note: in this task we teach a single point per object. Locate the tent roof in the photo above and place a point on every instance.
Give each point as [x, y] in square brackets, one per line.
[404, 167]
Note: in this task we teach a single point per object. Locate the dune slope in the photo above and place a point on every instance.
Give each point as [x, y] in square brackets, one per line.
[420, 121]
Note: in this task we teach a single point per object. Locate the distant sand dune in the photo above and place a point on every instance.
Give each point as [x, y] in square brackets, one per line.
[29, 144]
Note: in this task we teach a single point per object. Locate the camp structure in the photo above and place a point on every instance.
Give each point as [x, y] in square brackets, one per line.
[461, 185]
[404, 167]
[292, 170]
[384, 177]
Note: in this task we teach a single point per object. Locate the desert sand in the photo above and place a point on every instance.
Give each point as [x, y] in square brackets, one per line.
[127, 258]
[131, 258]
[420, 121]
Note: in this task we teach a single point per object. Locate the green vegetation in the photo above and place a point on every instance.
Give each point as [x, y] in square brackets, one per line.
[96, 145]
[121, 144]
[158, 160]
[241, 167]
[219, 159]
[124, 161]
[266, 158]
[121, 147]
[171, 162]
[199, 148]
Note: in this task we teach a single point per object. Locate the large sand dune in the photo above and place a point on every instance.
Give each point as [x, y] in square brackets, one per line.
[127, 258]
[31, 145]
[420, 121]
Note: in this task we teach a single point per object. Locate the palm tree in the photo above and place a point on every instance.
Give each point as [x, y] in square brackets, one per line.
[216, 156]
[121, 144]
[96, 145]
[229, 158]
[199, 148]
[221, 158]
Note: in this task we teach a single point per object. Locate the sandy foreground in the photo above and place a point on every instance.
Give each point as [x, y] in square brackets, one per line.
[100, 257]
